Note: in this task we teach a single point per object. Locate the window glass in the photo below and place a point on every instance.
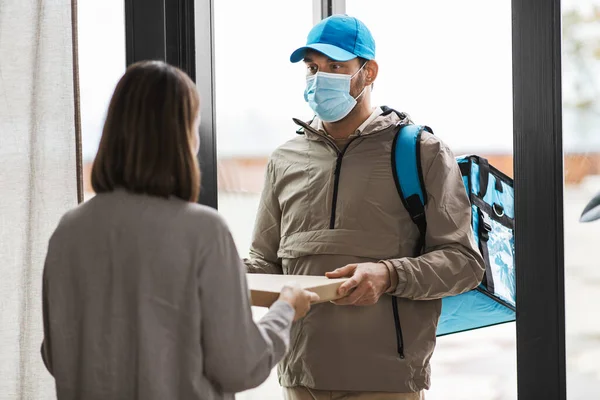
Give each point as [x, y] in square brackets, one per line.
[258, 92]
[448, 64]
[581, 141]
[101, 30]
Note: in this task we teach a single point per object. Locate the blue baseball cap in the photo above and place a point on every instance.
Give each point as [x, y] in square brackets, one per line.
[339, 37]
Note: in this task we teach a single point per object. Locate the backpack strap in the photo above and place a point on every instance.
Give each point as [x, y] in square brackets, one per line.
[406, 165]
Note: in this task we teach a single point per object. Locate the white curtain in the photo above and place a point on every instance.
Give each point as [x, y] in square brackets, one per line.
[38, 176]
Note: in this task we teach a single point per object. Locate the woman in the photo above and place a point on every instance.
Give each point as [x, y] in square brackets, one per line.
[144, 294]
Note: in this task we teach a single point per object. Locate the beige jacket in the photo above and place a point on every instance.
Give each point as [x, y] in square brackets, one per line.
[323, 208]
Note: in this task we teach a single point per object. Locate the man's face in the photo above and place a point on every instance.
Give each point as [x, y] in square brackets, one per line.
[318, 62]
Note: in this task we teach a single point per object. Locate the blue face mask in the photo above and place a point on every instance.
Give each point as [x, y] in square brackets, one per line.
[329, 95]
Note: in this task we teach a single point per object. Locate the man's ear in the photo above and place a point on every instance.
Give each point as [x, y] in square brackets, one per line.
[371, 71]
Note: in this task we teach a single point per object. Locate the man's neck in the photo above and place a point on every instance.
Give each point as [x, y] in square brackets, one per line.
[348, 125]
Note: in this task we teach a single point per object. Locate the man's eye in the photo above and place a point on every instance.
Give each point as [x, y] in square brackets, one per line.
[335, 66]
[312, 69]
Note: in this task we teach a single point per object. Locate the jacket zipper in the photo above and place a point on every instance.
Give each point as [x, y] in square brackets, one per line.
[398, 326]
[336, 180]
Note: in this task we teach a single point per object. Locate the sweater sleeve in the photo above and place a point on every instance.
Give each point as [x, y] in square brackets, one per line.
[238, 353]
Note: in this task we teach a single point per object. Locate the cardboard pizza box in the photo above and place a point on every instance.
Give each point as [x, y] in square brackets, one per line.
[265, 288]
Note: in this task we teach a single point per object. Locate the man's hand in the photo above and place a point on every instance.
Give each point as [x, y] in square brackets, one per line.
[367, 283]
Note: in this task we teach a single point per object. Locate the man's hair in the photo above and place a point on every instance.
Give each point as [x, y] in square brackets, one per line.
[146, 144]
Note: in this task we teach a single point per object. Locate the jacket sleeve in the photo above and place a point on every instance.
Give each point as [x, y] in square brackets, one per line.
[451, 263]
[239, 354]
[263, 257]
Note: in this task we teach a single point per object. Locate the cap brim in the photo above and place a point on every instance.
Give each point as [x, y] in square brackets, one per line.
[331, 51]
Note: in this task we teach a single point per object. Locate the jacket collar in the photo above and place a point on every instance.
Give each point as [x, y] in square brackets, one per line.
[313, 130]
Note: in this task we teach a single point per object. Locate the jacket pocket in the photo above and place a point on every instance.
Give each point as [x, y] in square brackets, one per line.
[368, 245]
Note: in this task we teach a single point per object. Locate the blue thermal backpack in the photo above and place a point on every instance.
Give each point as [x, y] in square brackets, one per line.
[491, 194]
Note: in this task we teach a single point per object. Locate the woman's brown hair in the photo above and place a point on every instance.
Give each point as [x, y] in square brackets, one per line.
[146, 144]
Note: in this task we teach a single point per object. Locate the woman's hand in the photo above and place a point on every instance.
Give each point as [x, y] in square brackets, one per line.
[298, 298]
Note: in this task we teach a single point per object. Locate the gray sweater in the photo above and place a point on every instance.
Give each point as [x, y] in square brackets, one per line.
[146, 298]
